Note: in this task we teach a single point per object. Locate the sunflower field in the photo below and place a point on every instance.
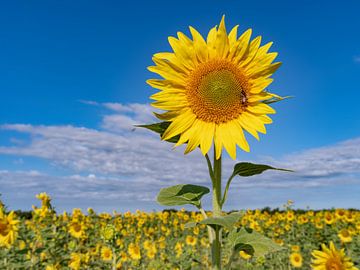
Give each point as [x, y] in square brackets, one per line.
[160, 240]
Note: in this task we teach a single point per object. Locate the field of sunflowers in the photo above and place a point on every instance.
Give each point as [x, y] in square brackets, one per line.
[160, 240]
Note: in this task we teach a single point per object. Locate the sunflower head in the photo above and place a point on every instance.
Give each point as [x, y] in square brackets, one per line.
[330, 258]
[214, 89]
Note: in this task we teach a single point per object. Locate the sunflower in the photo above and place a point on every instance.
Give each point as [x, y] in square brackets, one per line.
[106, 254]
[345, 236]
[77, 229]
[8, 228]
[190, 240]
[331, 259]
[296, 260]
[213, 90]
[134, 251]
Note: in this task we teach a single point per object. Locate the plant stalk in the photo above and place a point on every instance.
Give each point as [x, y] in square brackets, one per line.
[216, 243]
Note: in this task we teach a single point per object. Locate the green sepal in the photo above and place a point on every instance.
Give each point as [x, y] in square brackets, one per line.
[275, 98]
[160, 129]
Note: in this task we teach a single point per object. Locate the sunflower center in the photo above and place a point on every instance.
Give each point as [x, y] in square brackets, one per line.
[217, 91]
[333, 264]
[4, 229]
[77, 227]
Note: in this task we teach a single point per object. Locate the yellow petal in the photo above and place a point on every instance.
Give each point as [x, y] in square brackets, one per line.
[222, 42]
[200, 46]
[208, 130]
[217, 142]
[166, 85]
[259, 85]
[179, 125]
[182, 52]
[264, 71]
[260, 108]
[241, 47]
[238, 135]
[170, 105]
[211, 38]
[253, 47]
[194, 139]
[227, 139]
[249, 128]
[253, 122]
[233, 36]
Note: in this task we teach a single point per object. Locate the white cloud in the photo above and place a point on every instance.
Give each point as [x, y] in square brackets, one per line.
[118, 160]
[357, 59]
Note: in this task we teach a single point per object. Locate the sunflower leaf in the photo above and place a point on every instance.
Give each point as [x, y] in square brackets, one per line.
[227, 221]
[160, 129]
[252, 242]
[182, 194]
[249, 169]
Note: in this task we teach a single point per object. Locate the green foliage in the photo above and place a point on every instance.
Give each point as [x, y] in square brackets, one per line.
[182, 194]
[249, 169]
[257, 244]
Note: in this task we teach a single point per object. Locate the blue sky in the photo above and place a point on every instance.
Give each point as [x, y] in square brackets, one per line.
[73, 82]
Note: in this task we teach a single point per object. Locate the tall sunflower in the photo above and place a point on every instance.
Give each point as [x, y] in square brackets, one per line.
[331, 259]
[214, 89]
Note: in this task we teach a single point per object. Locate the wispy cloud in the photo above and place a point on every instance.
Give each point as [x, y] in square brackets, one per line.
[357, 59]
[117, 161]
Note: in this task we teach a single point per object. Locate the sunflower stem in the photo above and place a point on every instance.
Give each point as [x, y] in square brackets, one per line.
[216, 243]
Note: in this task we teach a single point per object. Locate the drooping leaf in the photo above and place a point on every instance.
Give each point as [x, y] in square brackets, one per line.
[261, 245]
[227, 221]
[250, 169]
[160, 129]
[182, 194]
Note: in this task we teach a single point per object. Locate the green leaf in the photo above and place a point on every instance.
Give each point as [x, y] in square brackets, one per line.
[249, 169]
[261, 245]
[190, 225]
[227, 221]
[160, 129]
[182, 194]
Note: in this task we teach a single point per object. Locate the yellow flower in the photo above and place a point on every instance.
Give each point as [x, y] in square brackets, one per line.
[123, 256]
[213, 90]
[345, 236]
[106, 254]
[330, 258]
[45, 199]
[52, 267]
[77, 229]
[244, 255]
[75, 261]
[329, 218]
[190, 240]
[22, 245]
[178, 249]
[296, 260]
[108, 232]
[134, 251]
[295, 248]
[8, 228]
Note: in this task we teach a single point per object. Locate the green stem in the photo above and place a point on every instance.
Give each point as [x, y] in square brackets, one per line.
[216, 243]
[210, 232]
[227, 189]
